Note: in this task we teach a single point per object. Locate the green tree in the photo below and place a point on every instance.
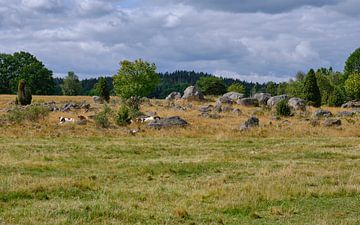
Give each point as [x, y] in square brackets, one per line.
[211, 85]
[337, 97]
[295, 88]
[352, 86]
[102, 89]
[23, 65]
[352, 64]
[325, 86]
[24, 94]
[71, 85]
[271, 88]
[311, 92]
[283, 109]
[138, 78]
[236, 87]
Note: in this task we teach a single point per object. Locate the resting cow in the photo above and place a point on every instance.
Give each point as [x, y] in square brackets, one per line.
[144, 119]
[63, 120]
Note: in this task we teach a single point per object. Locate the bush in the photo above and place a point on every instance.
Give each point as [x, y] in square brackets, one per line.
[337, 97]
[211, 85]
[123, 116]
[283, 109]
[352, 86]
[133, 104]
[32, 113]
[236, 87]
[24, 94]
[102, 118]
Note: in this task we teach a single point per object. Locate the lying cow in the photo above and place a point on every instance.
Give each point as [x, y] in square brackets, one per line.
[64, 120]
[145, 119]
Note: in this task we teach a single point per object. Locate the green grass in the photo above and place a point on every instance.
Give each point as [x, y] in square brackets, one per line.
[138, 180]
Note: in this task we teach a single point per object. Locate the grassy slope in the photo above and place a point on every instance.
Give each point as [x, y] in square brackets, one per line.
[164, 180]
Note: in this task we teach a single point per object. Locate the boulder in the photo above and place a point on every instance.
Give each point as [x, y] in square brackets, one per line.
[248, 102]
[69, 106]
[193, 94]
[174, 121]
[210, 115]
[346, 114]
[173, 96]
[273, 101]
[237, 112]
[332, 122]
[250, 123]
[227, 108]
[218, 107]
[322, 113]
[297, 104]
[234, 96]
[98, 99]
[225, 99]
[206, 108]
[351, 104]
[262, 98]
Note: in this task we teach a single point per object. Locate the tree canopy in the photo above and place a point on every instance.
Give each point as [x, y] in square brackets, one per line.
[352, 64]
[138, 78]
[311, 89]
[71, 85]
[211, 85]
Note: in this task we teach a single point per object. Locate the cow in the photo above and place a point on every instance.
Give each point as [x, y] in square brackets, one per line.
[63, 120]
[145, 119]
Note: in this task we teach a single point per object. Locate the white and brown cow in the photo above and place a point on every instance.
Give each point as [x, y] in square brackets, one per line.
[63, 120]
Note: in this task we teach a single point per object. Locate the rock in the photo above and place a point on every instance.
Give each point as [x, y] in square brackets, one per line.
[151, 113]
[332, 122]
[234, 96]
[262, 98]
[237, 112]
[227, 108]
[69, 106]
[206, 108]
[225, 99]
[174, 121]
[98, 99]
[248, 102]
[346, 114]
[273, 101]
[351, 104]
[297, 104]
[210, 115]
[218, 107]
[173, 96]
[250, 123]
[322, 113]
[193, 94]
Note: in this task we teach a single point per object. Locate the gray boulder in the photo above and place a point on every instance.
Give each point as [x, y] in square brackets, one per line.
[98, 99]
[250, 123]
[206, 108]
[351, 104]
[273, 101]
[237, 112]
[218, 107]
[210, 115]
[234, 96]
[227, 108]
[225, 99]
[346, 114]
[174, 121]
[248, 102]
[332, 122]
[193, 94]
[322, 113]
[173, 96]
[262, 98]
[297, 104]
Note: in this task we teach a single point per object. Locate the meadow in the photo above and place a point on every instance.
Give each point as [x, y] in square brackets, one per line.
[284, 172]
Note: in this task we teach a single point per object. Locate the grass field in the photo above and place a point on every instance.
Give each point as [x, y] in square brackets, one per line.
[208, 173]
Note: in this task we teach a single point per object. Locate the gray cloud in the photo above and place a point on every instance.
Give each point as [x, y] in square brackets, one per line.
[92, 36]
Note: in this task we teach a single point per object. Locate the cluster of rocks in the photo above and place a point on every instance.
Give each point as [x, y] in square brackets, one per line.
[351, 104]
[174, 121]
[191, 93]
[75, 106]
[250, 123]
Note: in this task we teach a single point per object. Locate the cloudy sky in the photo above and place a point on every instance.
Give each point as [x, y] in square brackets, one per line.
[255, 40]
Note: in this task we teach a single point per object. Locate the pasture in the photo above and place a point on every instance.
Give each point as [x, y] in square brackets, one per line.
[283, 172]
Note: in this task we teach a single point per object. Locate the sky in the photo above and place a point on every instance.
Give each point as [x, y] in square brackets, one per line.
[254, 40]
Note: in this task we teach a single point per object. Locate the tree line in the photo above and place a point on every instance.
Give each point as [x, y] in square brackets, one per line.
[322, 86]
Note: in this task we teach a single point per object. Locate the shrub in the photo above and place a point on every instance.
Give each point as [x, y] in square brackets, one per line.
[133, 104]
[123, 116]
[32, 113]
[352, 86]
[211, 85]
[337, 97]
[283, 109]
[102, 118]
[24, 94]
[236, 87]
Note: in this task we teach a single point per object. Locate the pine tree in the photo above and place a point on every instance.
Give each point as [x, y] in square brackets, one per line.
[311, 89]
[102, 89]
